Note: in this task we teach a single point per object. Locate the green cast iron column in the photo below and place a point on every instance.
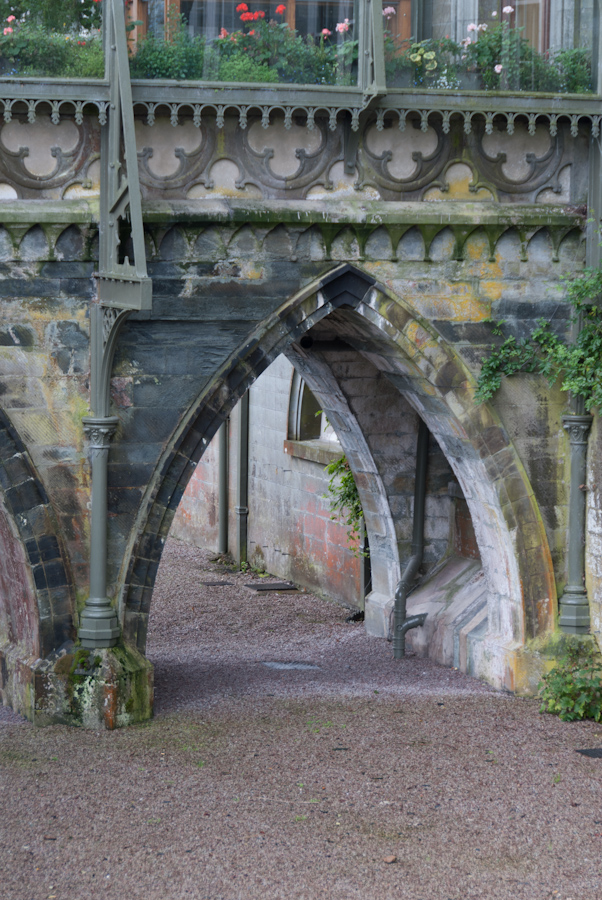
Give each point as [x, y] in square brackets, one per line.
[99, 625]
[242, 480]
[222, 540]
[574, 605]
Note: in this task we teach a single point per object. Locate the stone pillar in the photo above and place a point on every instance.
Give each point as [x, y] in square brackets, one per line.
[99, 625]
[574, 605]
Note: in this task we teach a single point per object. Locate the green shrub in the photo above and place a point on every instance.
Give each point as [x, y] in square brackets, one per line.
[573, 689]
[244, 69]
[33, 50]
[294, 58]
[181, 57]
[574, 70]
[428, 62]
[87, 60]
[55, 15]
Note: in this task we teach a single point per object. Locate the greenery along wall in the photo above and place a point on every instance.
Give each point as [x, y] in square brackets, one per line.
[265, 42]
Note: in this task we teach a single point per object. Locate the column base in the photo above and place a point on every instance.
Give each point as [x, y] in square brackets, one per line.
[574, 611]
[99, 631]
[110, 687]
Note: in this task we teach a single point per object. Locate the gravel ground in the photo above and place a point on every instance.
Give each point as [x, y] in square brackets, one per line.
[346, 776]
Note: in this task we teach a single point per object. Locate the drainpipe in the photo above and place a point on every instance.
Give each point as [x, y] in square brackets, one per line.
[242, 480]
[365, 568]
[222, 464]
[402, 623]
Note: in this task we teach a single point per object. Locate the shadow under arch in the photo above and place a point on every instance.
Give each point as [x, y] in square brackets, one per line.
[508, 525]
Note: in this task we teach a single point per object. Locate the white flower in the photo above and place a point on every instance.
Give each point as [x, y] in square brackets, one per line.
[493, 14]
[482, 28]
[466, 42]
[498, 69]
[508, 9]
[388, 11]
[472, 27]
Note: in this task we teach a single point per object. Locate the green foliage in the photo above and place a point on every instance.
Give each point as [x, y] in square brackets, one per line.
[505, 60]
[500, 59]
[245, 69]
[31, 49]
[345, 504]
[180, 57]
[86, 60]
[268, 52]
[573, 689]
[284, 55]
[430, 62]
[65, 16]
[578, 365]
[575, 70]
[246, 566]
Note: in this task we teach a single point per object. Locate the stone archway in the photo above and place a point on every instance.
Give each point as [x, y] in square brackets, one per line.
[431, 375]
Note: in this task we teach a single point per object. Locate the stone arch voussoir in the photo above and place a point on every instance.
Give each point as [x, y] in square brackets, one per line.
[37, 606]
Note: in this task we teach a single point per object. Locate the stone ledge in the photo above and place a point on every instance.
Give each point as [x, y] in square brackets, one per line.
[322, 452]
[299, 213]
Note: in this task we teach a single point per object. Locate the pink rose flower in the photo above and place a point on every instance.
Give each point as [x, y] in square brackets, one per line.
[498, 68]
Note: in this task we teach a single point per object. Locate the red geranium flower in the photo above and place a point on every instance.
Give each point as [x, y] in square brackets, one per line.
[242, 7]
[258, 15]
[246, 17]
[280, 10]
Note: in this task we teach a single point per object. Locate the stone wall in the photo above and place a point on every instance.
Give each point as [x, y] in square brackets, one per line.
[248, 237]
[291, 533]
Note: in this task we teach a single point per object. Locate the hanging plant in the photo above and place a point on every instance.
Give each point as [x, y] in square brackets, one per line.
[345, 503]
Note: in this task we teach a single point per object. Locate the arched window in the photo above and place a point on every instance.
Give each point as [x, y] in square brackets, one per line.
[306, 420]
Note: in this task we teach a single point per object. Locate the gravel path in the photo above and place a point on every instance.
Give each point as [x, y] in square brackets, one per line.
[346, 775]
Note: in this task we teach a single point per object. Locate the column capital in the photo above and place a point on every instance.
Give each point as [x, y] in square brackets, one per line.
[577, 428]
[100, 431]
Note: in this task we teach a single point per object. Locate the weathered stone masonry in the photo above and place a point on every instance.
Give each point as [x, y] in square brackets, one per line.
[407, 283]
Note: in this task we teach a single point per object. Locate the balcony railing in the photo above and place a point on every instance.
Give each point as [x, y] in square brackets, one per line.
[534, 46]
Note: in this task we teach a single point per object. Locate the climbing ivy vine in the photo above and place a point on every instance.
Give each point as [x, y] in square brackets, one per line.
[345, 504]
[578, 365]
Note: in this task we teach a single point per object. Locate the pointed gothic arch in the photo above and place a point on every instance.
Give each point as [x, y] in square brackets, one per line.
[437, 383]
